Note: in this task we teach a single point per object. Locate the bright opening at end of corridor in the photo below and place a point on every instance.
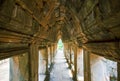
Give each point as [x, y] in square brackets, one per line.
[60, 45]
[60, 70]
[53, 65]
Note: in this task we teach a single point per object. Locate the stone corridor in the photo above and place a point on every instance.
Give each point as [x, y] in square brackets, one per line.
[60, 70]
[89, 30]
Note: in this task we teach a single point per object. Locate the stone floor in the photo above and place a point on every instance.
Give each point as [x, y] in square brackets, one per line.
[60, 71]
[42, 77]
[4, 70]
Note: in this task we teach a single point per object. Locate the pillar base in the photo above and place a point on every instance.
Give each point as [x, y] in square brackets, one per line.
[75, 78]
[47, 73]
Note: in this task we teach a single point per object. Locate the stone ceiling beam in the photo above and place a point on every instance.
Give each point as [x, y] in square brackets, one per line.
[43, 22]
[13, 52]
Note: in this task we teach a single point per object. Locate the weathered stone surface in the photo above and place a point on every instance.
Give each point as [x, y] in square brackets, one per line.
[91, 24]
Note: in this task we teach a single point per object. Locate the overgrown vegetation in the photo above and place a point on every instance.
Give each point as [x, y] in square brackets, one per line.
[60, 44]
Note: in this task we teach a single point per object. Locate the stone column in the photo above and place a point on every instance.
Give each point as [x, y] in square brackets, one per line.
[66, 47]
[33, 62]
[51, 54]
[118, 70]
[70, 56]
[54, 50]
[65, 50]
[75, 63]
[47, 69]
[87, 71]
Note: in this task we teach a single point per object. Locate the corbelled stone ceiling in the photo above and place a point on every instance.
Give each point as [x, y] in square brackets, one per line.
[91, 24]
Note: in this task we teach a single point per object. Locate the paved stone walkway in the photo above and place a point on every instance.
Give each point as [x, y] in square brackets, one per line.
[60, 71]
[42, 77]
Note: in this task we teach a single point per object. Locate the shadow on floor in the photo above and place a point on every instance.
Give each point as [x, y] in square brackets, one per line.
[47, 77]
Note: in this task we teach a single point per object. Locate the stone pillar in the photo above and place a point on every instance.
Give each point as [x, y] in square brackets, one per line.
[70, 56]
[54, 50]
[33, 62]
[75, 63]
[65, 50]
[51, 54]
[118, 70]
[47, 69]
[87, 71]
[66, 47]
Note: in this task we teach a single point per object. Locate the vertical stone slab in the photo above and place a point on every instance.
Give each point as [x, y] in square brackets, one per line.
[65, 50]
[118, 68]
[75, 63]
[52, 54]
[51, 58]
[47, 69]
[70, 56]
[33, 62]
[87, 71]
[54, 50]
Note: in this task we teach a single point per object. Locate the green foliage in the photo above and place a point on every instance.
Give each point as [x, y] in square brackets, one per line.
[60, 44]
